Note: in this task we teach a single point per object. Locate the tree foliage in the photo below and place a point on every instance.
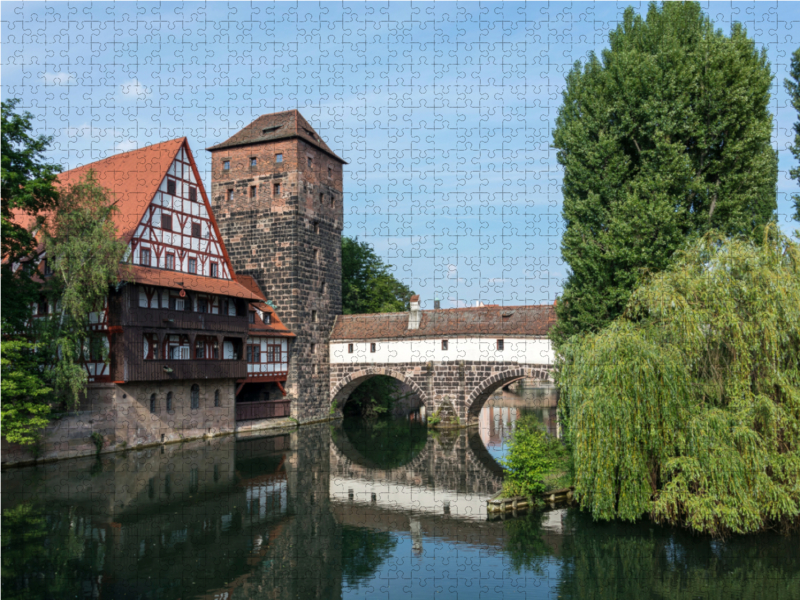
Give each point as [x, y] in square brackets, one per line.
[793, 87]
[531, 456]
[663, 139]
[368, 285]
[687, 407]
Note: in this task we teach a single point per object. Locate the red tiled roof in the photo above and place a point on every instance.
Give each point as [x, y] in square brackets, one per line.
[193, 283]
[454, 322]
[131, 177]
[276, 327]
[277, 126]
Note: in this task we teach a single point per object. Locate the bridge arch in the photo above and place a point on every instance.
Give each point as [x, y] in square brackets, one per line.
[345, 386]
[483, 391]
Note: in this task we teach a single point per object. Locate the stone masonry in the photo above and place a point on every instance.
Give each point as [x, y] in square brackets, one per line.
[282, 224]
[461, 387]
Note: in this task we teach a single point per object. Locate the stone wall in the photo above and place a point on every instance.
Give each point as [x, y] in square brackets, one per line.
[290, 242]
[462, 386]
[120, 413]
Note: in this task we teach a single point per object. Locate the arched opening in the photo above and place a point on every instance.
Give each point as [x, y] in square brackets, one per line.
[379, 393]
[500, 381]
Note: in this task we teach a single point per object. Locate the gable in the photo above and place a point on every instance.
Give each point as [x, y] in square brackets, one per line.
[177, 231]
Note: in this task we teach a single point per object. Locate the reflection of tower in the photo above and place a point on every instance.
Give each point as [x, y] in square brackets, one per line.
[416, 536]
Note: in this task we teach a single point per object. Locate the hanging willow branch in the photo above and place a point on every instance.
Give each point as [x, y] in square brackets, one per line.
[688, 406]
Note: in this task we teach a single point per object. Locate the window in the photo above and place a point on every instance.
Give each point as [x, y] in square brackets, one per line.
[252, 191]
[206, 348]
[278, 158]
[195, 396]
[499, 345]
[444, 344]
[333, 201]
[251, 316]
[202, 304]
[166, 222]
[254, 353]
[170, 261]
[313, 348]
[193, 265]
[48, 268]
[96, 348]
[253, 161]
[372, 347]
[310, 161]
[197, 230]
[316, 228]
[230, 195]
[152, 403]
[177, 347]
[214, 269]
[349, 348]
[150, 346]
[144, 257]
[193, 194]
[276, 189]
[323, 287]
[321, 198]
[171, 186]
[267, 318]
[226, 165]
[169, 401]
[313, 316]
[316, 256]
[330, 172]
[216, 404]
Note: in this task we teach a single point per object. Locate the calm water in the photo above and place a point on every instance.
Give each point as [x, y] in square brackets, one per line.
[388, 510]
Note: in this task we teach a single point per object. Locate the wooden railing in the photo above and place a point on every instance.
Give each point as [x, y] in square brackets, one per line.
[266, 409]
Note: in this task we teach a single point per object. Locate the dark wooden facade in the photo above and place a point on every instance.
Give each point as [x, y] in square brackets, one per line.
[129, 322]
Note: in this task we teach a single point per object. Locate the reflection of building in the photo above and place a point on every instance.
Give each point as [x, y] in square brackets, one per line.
[496, 424]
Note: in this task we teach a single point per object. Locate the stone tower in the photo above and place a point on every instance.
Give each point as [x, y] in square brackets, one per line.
[276, 192]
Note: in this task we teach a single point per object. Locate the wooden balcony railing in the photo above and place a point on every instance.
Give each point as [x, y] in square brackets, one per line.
[164, 370]
[266, 409]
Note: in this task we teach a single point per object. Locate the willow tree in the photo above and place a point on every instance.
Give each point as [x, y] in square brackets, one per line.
[687, 407]
[664, 138]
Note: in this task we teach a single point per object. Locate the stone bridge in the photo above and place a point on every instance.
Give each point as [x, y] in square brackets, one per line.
[452, 359]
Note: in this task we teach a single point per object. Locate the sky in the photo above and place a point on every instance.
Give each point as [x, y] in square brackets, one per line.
[443, 112]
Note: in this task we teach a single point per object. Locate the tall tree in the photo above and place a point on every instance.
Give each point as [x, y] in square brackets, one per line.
[26, 185]
[793, 87]
[368, 285]
[664, 139]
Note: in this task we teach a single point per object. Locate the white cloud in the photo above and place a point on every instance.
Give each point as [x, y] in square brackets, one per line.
[126, 146]
[57, 78]
[134, 89]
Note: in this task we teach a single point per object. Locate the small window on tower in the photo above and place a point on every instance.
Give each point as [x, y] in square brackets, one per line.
[170, 262]
[313, 316]
[253, 161]
[166, 222]
[144, 257]
[230, 195]
[197, 230]
[171, 186]
[310, 161]
[252, 191]
[349, 348]
[316, 256]
[214, 269]
[193, 266]
[333, 201]
[193, 194]
[276, 189]
[226, 165]
[321, 198]
[313, 348]
[316, 227]
[278, 158]
[330, 172]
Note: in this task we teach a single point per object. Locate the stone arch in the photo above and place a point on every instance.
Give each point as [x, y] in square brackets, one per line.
[490, 385]
[341, 392]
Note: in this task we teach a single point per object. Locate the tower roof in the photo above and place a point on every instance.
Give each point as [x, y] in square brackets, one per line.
[277, 126]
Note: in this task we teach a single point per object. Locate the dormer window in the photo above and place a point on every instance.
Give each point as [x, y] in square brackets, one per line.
[267, 130]
[267, 318]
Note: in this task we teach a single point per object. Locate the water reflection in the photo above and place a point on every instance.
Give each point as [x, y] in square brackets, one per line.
[349, 510]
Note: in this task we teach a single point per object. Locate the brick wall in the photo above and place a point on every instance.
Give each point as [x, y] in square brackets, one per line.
[290, 242]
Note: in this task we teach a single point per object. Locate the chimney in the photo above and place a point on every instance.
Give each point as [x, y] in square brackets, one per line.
[415, 315]
[437, 304]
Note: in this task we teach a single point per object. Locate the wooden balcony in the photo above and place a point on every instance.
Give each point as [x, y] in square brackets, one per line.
[165, 370]
[266, 409]
[155, 318]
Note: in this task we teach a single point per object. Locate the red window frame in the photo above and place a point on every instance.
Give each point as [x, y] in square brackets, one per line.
[214, 269]
[197, 229]
[170, 261]
[144, 257]
[152, 346]
[254, 354]
[166, 221]
[191, 266]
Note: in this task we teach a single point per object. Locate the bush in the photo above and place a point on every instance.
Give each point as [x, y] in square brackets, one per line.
[530, 457]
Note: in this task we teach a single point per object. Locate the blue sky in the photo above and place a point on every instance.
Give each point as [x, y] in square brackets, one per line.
[445, 112]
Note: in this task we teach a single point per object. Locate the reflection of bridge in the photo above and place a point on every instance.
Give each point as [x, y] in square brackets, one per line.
[454, 360]
[451, 475]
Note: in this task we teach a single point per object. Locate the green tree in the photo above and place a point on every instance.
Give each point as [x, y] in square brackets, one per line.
[793, 87]
[26, 185]
[664, 139]
[687, 407]
[368, 285]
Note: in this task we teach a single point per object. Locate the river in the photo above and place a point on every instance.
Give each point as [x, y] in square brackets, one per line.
[346, 510]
